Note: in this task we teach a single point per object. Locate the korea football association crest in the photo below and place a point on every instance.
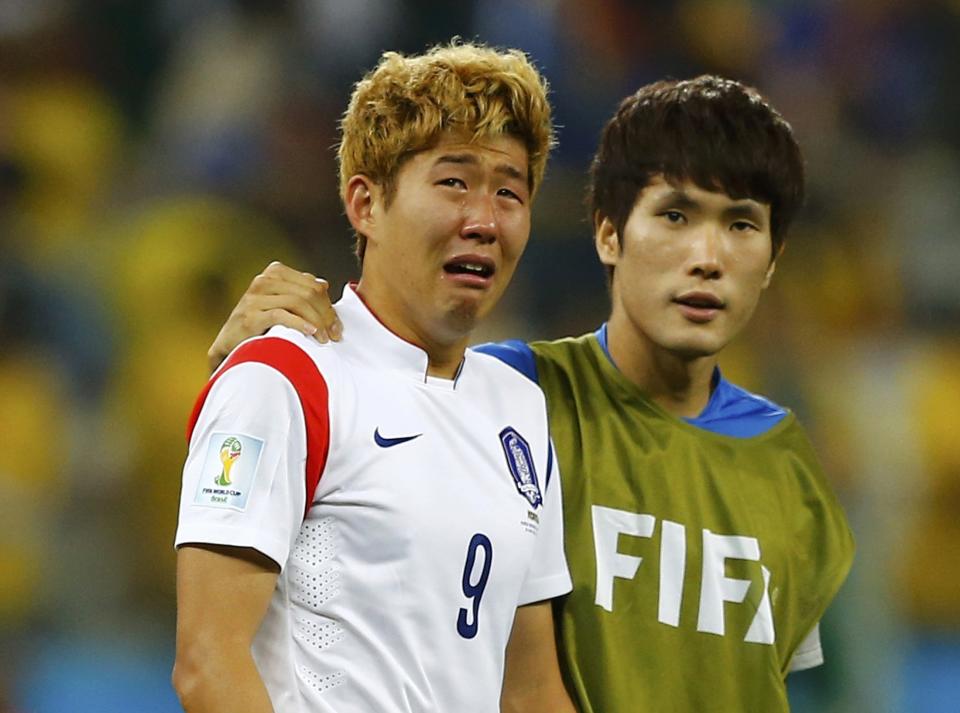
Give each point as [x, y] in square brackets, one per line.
[520, 462]
[228, 471]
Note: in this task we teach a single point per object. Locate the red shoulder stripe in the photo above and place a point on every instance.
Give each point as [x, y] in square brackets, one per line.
[301, 371]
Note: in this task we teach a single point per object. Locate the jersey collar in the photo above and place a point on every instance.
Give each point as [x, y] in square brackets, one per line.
[717, 383]
[369, 340]
[731, 410]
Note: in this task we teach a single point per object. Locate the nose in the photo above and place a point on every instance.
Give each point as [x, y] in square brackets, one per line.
[481, 221]
[706, 253]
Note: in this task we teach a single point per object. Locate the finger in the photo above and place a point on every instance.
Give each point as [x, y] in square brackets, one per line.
[287, 319]
[308, 299]
[255, 315]
[326, 314]
[278, 282]
[253, 306]
[278, 271]
[335, 329]
[314, 289]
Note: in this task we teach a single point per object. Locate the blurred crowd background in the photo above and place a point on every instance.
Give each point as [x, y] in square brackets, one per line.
[156, 154]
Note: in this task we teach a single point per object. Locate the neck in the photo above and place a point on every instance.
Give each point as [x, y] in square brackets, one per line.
[444, 356]
[678, 384]
[446, 369]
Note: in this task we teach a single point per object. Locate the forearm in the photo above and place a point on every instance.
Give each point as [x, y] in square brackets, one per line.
[227, 683]
[214, 671]
[531, 681]
[536, 699]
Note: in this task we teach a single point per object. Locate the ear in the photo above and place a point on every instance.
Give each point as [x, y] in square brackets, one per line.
[606, 239]
[361, 200]
[772, 267]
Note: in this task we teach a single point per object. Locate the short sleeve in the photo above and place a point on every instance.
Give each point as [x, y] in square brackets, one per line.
[243, 480]
[548, 576]
[809, 653]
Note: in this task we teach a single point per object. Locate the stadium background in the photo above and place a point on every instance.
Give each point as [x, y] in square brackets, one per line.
[155, 154]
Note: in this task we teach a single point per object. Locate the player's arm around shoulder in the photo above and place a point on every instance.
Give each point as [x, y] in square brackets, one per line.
[222, 595]
[532, 682]
[279, 295]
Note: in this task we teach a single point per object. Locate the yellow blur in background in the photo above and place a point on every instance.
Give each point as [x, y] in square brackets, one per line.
[155, 156]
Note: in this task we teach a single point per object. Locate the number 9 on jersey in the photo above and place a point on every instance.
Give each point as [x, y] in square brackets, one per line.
[467, 624]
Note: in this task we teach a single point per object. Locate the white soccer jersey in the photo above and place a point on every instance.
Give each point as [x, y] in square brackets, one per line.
[410, 515]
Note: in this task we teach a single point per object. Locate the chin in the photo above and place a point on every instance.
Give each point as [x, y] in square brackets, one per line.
[690, 341]
[464, 315]
[690, 349]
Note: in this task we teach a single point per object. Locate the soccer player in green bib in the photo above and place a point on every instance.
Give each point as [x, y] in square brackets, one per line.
[703, 539]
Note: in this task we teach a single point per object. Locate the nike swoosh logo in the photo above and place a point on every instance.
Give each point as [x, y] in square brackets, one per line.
[390, 442]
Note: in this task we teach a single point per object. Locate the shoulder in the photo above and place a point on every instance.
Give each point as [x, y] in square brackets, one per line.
[527, 357]
[735, 411]
[568, 357]
[739, 396]
[565, 347]
[265, 372]
[513, 353]
[514, 375]
[516, 397]
[280, 340]
[300, 359]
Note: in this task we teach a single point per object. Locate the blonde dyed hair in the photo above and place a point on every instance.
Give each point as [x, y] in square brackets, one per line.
[405, 103]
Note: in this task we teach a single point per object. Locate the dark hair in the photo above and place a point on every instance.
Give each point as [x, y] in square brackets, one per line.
[715, 132]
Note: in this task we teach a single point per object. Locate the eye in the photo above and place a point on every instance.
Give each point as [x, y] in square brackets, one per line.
[506, 192]
[453, 182]
[674, 216]
[742, 226]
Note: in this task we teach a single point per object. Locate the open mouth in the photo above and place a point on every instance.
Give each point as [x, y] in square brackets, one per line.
[470, 266]
[700, 300]
[699, 307]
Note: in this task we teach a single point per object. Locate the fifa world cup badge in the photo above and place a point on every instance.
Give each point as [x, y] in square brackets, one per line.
[229, 470]
[229, 452]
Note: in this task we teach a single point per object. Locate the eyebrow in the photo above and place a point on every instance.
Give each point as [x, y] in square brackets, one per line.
[676, 199]
[748, 210]
[469, 159]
